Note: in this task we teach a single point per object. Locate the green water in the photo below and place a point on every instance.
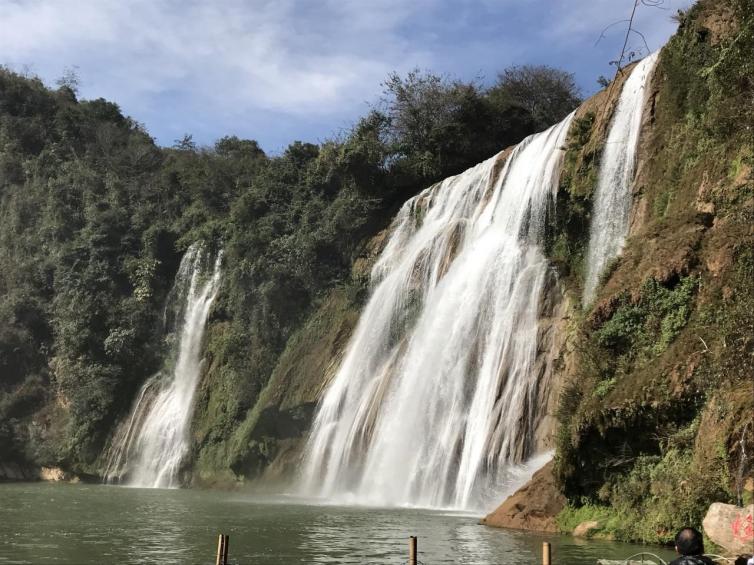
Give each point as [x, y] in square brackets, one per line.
[81, 524]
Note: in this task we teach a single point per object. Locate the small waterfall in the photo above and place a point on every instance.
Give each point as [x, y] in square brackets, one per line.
[437, 393]
[612, 206]
[148, 448]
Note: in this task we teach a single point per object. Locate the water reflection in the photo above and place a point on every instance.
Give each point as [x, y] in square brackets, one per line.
[82, 525]
[160, 522]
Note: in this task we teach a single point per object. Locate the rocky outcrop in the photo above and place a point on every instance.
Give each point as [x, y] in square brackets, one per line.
[10, 471]
[731, 527]
[532, 507]
[269, 441]
[56, 475]
[554, 358]
[586, 529]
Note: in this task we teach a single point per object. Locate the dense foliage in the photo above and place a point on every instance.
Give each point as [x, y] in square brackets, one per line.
[557, 93]
[94, 218]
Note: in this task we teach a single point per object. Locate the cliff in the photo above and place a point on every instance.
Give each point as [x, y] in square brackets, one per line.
[655, 415]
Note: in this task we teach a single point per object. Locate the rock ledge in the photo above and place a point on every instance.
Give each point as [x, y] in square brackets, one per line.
[532, 507]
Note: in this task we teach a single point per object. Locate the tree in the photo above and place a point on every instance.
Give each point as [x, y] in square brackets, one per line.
[186, 143]
[69, 80]
[439, 126]
[549, 94]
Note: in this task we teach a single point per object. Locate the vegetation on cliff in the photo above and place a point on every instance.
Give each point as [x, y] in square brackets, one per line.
[656, 413]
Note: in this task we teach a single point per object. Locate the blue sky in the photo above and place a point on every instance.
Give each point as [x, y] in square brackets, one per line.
[284, 70]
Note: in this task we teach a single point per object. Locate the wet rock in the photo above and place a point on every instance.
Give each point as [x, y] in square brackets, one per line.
[532, 507]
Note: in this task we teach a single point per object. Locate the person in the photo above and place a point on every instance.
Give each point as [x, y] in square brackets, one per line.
[690, 545]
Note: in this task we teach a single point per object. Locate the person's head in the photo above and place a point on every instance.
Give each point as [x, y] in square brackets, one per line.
[689, 542]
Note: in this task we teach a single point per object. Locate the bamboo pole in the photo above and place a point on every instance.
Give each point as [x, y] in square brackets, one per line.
[222, 550]
[412, 552]
[546, 553]
[218, 560]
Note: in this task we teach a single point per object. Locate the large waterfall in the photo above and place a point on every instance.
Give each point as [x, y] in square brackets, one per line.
[437, 394]
[612, 206]
[149, 447]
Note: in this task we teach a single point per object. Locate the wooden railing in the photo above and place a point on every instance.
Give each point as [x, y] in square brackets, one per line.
[413, 554]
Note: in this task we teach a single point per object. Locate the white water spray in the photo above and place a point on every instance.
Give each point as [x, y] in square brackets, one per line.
[148, 449]
[612, 205]
[437, 393]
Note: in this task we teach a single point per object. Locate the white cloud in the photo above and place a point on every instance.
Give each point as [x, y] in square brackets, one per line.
[581, 21]
[282, 69]
[255, 53]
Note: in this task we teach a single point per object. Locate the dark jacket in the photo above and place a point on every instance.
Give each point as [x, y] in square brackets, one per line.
[692, 560]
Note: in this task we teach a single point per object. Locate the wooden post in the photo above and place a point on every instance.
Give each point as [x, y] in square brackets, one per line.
[222, 550]
[546, 553]
[412, 553]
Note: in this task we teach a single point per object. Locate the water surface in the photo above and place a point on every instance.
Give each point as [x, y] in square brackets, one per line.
[44, 523]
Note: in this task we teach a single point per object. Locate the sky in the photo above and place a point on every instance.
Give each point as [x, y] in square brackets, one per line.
[284, 70]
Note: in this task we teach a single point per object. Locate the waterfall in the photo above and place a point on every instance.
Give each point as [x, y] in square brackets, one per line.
[612, 205]
[437, 393]
[148, 448]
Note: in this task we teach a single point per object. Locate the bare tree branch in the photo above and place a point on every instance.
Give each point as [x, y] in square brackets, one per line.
[644, 39]
[628, 33]
[622, 57]
[602, 33]
[659, 4]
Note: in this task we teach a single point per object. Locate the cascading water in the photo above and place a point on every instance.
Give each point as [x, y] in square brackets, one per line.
[437, 393]
[148, 449]
[612, 205]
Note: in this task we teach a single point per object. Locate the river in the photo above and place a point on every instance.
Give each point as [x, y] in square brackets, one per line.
[43, 523]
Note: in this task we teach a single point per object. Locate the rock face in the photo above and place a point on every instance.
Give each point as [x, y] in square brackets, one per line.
[731, 527]
[532, 507]
[10, 471]
[585, 529]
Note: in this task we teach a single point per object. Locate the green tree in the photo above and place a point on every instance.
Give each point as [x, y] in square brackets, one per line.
[549, 94]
